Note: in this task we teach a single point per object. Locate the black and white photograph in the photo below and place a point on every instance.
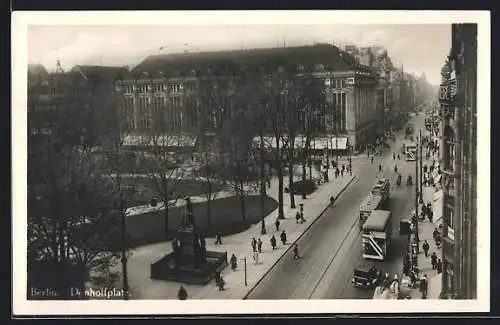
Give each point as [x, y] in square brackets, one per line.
[321, 161]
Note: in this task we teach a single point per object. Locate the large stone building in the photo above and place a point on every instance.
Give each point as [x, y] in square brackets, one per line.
[376, 57]
[162, 92]
[458, 97]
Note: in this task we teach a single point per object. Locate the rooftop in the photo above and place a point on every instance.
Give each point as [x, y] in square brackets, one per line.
[98, 74]
[234, 61]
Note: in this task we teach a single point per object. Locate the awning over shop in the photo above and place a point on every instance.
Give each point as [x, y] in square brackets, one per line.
[300, 142]
[330, 143]
[160, 141]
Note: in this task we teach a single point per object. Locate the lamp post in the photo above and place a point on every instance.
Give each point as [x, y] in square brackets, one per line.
[262, 185]
[421, 161]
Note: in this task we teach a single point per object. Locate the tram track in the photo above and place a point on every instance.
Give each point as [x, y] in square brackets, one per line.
[352, 230]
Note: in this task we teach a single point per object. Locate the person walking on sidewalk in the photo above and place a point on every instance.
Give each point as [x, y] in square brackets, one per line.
[182, 293]
[434, 260]
[218, 239]
[296, 252]
[234, 262]
[297, 217]
[254, 244]
[430, 214]
[283, 237]
[379, 168]
[424, 286]
[259, 245]
[255, 256]
[371, 159]
[273, 242]
[439, 266]
[426, 247]
[394, 156]
[342, 171]
[277, 224]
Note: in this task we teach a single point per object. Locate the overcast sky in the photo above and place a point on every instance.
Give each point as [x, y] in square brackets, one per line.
[420, 48]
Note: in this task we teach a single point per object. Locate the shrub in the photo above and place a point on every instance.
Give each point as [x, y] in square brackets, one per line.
[302, 186]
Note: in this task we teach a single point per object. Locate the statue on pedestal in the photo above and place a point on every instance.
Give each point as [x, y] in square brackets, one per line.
[188, 219]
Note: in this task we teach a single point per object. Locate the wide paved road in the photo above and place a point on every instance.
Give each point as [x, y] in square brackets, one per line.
[332, 246]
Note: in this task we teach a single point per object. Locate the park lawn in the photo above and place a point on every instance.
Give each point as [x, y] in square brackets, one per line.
[145, 189]
[226, 218]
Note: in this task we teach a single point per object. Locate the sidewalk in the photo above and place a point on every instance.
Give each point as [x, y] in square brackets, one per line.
[425, 229]
[142, 287]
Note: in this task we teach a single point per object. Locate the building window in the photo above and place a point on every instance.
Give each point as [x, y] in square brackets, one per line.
[448, 220]
[344, 112]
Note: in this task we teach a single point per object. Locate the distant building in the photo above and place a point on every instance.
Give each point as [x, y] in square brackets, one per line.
[162, 92]
[51, 93]
[458, 98]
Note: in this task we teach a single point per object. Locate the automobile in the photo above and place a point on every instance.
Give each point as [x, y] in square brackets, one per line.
[366, 276]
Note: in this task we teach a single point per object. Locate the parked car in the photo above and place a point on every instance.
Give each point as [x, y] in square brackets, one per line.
[366, 276]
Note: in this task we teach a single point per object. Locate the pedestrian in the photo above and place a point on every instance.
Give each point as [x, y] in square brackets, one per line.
[430, 214]
[439, 266]
[393, 156]
[273, 242]
[396, 168]
[371, 159]
[277, 224]
[379, 168]
[256, 257]
[413, 278]
[342, 171]
[182, 293]
[296, 252]
[425, 247]
[283, 237]
[259, 245]
[424, 286]
[398, 157]
[297, 216]
[438, 241]
[435, 233]
[218, 239]
[234, 262]
[350, 170]
[175, 245]
[254, 244]
[424, 210]
[434, 260]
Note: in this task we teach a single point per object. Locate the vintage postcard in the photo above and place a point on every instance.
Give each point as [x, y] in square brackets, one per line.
[325, 161]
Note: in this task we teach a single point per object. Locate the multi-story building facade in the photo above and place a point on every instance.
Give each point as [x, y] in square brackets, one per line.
[163, 92]
[376, 57]
[459, 138]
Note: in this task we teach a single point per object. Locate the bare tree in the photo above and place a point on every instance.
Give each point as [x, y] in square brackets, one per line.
[249, 98]
[312, 101]
[213, 109]
[163, 168]
[239, 163]
[71, 220]
[273, 100]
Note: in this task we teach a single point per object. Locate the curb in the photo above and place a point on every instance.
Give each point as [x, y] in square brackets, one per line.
[298, 238]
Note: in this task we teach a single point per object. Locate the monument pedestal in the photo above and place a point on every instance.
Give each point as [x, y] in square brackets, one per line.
[189, 262]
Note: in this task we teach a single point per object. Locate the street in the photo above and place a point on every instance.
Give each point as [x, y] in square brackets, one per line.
[332, 247]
